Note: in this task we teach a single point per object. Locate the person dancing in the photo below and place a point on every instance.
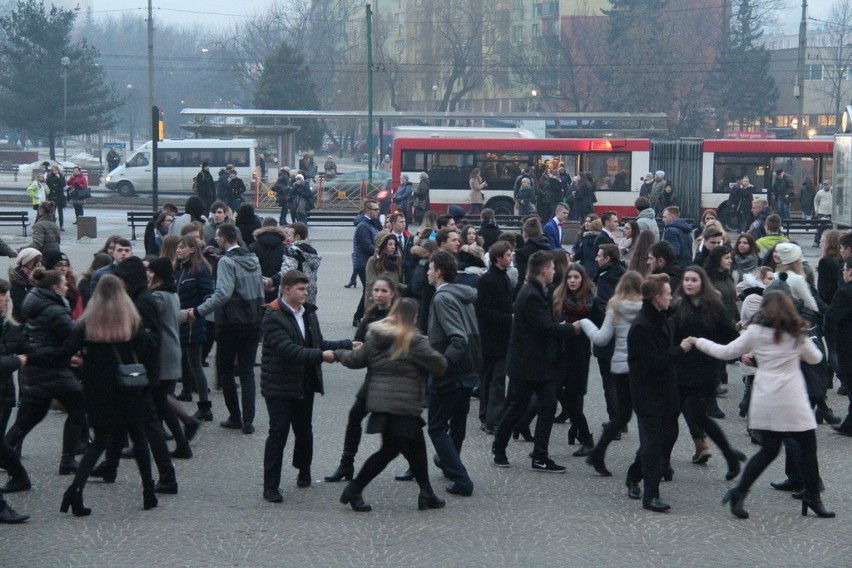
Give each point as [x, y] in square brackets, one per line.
[779, 400]
[400, 359]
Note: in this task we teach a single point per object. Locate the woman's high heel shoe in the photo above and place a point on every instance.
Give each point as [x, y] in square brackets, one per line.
[73, 498]
[149, 497]
[572, 435]
[734, 464]
[352, 495]
[815, 505]
[429, 501]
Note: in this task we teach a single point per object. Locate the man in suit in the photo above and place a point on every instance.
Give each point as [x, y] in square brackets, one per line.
[529, 364]
[838, 327]
[553, 228]
[610, 226]
[494, 314]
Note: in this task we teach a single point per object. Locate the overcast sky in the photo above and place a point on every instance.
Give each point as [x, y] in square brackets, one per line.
[218, 13]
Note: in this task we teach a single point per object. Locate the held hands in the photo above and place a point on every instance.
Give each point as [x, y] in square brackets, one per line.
[328, 356]
[688, 343]
[189, 314]
[267, 283]
[747, 359]
[23, 360]
[577, 327]
[357, 345]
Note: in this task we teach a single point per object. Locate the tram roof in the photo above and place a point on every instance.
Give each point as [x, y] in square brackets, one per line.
[418, 115]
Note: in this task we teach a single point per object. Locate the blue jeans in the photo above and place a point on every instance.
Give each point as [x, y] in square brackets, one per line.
[783, 208]
[447, 422]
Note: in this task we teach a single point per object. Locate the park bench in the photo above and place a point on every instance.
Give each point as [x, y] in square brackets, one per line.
[138, 218]
[15, 219]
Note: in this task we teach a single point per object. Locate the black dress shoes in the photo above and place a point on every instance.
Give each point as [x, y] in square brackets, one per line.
[406, 475]
[461, 491]
[599, 465]
[656, 505]
[843, 430]
[785, 485]
[304, 478]
[343, 471]
[633, 490]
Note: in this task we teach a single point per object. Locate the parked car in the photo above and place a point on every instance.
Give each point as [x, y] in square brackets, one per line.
[350, 184]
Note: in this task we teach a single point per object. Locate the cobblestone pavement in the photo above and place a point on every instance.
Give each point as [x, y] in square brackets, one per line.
[515, 516]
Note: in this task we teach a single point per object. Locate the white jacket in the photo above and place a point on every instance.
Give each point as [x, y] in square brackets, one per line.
[822, 202]
[779, 397]
[627, 311]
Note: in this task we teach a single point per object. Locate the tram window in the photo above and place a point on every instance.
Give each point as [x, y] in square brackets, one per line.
[499, 169]
[413, 161]
[450, 170]
[728, 169]
[608, 166]
[797, 168]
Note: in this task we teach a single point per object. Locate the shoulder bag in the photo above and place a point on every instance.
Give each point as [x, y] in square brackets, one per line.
[130, 376]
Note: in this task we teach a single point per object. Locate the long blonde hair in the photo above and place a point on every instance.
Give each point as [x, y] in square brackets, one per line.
[403, 316]
[629, 288]
[111, 316]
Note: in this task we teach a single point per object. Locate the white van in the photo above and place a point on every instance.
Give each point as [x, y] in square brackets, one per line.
[179, 161]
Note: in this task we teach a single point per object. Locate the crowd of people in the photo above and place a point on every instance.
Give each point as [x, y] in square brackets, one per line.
[447, 314]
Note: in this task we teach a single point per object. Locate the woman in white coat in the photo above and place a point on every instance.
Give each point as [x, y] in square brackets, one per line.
[779, 400]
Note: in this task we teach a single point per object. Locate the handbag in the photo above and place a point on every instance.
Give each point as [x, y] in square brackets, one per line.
[83, 193]
[130, 376]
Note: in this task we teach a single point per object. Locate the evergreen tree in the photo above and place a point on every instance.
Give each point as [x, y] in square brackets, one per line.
[746, 90]
[285, 84]
[31, 76]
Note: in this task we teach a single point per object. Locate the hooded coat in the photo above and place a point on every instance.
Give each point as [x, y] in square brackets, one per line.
[363, 241]
[454, 332]
[301, 256]
[269, 246]
[616, 323]
[647, 221]
[48, 325]
[193, 289]
[238, 298]
[132, 272]
[523, 254]
[678, 233]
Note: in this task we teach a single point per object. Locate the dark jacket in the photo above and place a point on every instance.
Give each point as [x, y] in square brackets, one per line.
[56, 188]
[403, 195]
[607, 279]
[695, 369]
[45, 235]
[20, 287]
[523, 254]
[397, 385]
[269, 247]
[829, 277]
[494, 312]
[651, 356]
[10, 343]
[222, 184]
[132, 272]
[490, 234]
[247, 227]
[674, 272]
[364, 240]
[679, 234]
[838, 326]
[238, 298]
[193, 288]
[574, 352]
[532, 342]
[454, 332]
[205, 187]
[48, 326]
[585, 252]
[290, 364]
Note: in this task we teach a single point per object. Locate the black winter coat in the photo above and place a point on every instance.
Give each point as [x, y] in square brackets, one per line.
[490, 234]
[192, 289]
[523, 254]
[291, 365]
[494, 312]
[56, 189]
[269, 247]
[48, 326]
[20, 287]
[10, 343]
[695, 369]
[651, 356]
[205, 187]
[838, 326]
[533, 339]
[575, 352]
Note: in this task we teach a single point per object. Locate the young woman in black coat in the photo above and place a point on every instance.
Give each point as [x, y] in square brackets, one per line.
[698, 312]
[110, 334]
[247, 222]
[574, 300]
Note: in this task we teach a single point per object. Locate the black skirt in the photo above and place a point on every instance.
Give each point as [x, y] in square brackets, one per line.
[384, 423]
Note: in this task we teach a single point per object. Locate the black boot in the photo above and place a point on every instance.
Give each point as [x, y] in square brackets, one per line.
[825, 414]
[713, 410]
[352, 495]
[149, 496]
[15, 484]
[73, 498]
[813, 502]
[346, 470]
[205, 411]
[67, 465]
[736, 497]
[104, 472]
[746, 401]
[428, 500]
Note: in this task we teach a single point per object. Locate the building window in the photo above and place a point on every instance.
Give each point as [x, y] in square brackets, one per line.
[400, 19]
[517, 34]
[813, 72]
[826, 120]
[535, 30]
[400, 46]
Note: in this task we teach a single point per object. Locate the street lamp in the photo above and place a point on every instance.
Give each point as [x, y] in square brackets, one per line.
[65, 62]
[130, 111]
[435, 95]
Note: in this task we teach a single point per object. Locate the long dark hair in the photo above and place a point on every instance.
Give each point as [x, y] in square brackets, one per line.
[778, 312]
[563, 293]
[708, 299]
[390, 280]
[714, 263]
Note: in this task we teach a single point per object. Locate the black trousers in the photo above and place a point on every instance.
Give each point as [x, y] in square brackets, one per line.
[656, 436]
[413, 449]
[9, 459]
[103, 435]
[284, 414]
[154, 436]
[693, 403]
[32, 410]
[194, 377]
[492, 391]
[237, 348]
[78, 211]
[352, 437]
[769, 448]
[609, 389]
[520, 392]
[362, 276]
[166, 413]
[623, 414]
